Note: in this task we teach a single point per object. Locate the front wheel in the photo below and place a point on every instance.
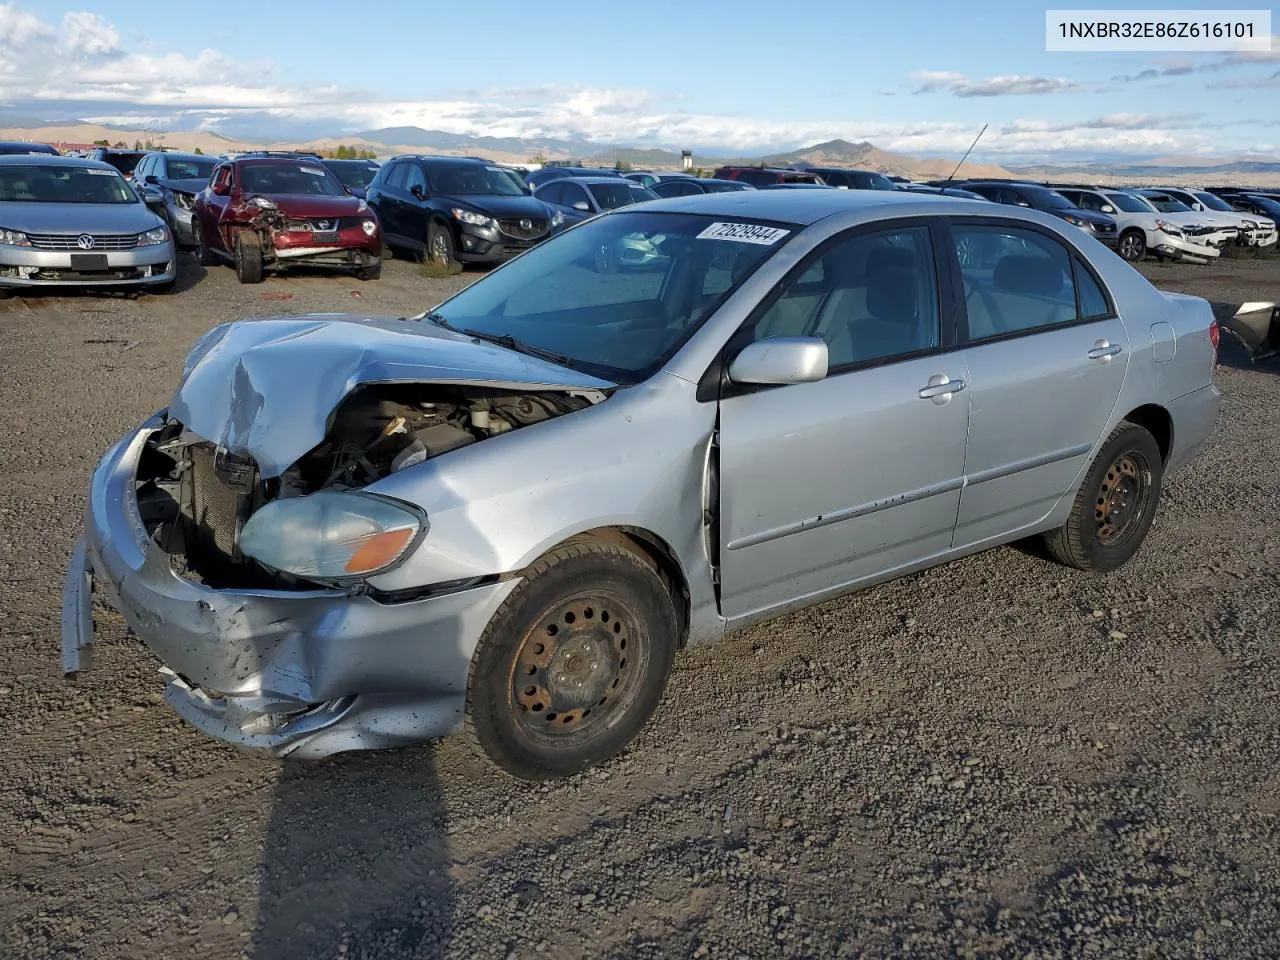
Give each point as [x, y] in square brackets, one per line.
[248, 257]
[440, 247]
[1133, 245]
[204, 256]
[574, 662]
[371, 272]
[1115, 506]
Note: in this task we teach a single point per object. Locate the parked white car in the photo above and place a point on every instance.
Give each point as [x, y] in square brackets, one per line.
[1253, 231]
[1143, 229]
[1208, 228]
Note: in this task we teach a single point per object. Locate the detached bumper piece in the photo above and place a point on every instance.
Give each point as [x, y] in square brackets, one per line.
[1256, 325]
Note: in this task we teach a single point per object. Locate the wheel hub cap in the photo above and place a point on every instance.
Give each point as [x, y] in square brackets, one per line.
[1119, 499]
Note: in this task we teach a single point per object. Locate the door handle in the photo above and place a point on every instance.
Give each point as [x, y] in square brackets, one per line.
[1104, 350]
[940, 388]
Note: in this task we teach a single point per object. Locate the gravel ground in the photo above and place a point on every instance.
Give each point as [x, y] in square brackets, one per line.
[995, 758]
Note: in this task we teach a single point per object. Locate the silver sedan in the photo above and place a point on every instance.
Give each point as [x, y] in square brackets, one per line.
[509, 513]
[65, 221]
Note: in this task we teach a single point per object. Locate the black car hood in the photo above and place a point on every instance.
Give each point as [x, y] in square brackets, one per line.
[507, 208]
[1088, 216]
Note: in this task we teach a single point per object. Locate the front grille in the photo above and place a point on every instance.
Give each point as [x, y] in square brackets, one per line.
[517, 229]
[71, 241]
[318, 225]
[1106, 228]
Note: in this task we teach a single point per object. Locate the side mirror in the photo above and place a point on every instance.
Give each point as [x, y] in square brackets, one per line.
[221, 189]
[1108, 208]
[151, 178]
[1197, 206]
[1023, 203]
[781, 360]
[153, 198]
[582, 205]
[418, 192]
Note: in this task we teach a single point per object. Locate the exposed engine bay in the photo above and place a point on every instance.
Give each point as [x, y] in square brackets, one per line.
[195, 498]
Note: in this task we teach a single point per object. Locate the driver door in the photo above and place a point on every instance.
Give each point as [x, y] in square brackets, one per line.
[857, 476]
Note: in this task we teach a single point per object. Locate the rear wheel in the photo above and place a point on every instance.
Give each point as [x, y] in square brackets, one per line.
[1116, 503]
[1133, 245]
[574, 662]
[248, 257]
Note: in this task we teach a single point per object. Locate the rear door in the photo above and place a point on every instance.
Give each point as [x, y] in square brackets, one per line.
[858, 475]
[1047, 355]
[212, 205]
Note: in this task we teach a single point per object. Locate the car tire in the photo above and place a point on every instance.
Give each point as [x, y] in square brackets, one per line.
[388, 251]
[573, 663]
[248, 257]
[1115, 505]
[161, 288]
[1132, 245]
[371, 271]
[440, 247]
[204, 256]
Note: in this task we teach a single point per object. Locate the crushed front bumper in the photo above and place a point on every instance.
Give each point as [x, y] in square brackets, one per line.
[298, 673]
[1179, 248]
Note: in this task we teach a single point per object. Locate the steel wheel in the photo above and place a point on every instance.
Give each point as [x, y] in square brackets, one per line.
[967, 252]
[1122, 498]
[571, 672]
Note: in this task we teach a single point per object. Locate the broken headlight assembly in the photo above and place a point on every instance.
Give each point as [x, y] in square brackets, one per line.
[331, 535]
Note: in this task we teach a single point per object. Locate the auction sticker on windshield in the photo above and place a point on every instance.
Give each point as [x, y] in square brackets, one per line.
[313, 171]
[744, 233]
[100, 173]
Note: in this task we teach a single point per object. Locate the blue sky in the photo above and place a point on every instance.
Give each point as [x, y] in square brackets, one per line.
[919, 78]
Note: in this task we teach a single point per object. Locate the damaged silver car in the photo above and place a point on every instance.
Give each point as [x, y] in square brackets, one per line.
[507, 514]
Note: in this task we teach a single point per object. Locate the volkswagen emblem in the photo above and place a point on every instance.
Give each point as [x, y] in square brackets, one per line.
[84, 242]
[526, 225]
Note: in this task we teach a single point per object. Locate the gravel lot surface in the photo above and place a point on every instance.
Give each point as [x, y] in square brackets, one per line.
[995, 758]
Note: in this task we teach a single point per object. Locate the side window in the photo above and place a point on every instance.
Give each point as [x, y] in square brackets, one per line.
[1093, 302]
[1015, 280]
[223, 177]
[141, 171]
[552, 193]
[573, 193]
[414, 178]
[395, 176]
[873, 297]
[1089, 201]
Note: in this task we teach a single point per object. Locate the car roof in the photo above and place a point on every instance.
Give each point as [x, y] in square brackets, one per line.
[804, 207]
[17, 159]
[612, 181]
[180, 156]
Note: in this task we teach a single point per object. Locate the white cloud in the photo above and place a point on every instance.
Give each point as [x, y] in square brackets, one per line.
[89, 35]
[946, 81]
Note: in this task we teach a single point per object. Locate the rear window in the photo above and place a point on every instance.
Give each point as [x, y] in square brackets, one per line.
[124, 162]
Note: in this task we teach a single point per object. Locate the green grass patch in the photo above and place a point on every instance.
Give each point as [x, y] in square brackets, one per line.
[433, 270]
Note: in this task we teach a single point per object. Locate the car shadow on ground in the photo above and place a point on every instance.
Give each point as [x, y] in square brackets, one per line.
[355, 861]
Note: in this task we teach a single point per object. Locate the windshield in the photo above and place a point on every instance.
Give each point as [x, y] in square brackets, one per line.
[1270, 204]
[473, 180]
[723, 186]
[1049, 200]
[1128, 203]
[881, 182]
[189, 169]
[124, 162]
[289, 178]
[354, 173]
[1214, 202]
[610, 196]
[38, 183]
[618, 295]
[1166, 204]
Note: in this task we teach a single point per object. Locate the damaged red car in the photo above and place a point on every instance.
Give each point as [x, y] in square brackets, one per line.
[263, 212]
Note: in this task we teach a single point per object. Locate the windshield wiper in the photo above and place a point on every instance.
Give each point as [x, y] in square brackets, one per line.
[519, 346]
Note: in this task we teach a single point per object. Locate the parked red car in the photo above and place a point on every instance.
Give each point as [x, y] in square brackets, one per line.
[270, 211]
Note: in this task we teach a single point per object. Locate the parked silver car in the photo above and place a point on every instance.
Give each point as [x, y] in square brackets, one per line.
[66, 221]
[508, 513]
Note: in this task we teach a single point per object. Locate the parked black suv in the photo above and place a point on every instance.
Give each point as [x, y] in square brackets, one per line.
[764, 176]
[853, 179]
[123, 160]
[457, 210]
[1049, 201]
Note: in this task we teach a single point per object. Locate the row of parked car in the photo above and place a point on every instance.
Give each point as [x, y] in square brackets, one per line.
[118, 217]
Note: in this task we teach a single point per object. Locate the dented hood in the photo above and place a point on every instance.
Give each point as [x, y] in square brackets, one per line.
[266, 388]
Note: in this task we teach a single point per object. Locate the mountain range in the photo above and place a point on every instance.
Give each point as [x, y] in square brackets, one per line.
[388, 141]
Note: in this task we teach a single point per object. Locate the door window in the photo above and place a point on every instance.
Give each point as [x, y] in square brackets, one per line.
[572, 193]
[414, 178]
[1018, 280]
[872, 297]
[552, 193]
[223, 177]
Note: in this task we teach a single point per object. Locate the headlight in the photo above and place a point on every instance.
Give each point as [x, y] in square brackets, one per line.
[330, 535]
[14, 238]
[370, 227]
[263, 203]
[1250, 225]
[152, 237]
[475, 219]
[557, 218]
[1169, 228]
[183, 200]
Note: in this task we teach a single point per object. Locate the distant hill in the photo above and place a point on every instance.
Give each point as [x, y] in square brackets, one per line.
[865, 155]
[1262, 173]
[421, 139]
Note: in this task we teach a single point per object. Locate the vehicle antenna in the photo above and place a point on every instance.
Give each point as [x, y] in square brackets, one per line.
[967, 152]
